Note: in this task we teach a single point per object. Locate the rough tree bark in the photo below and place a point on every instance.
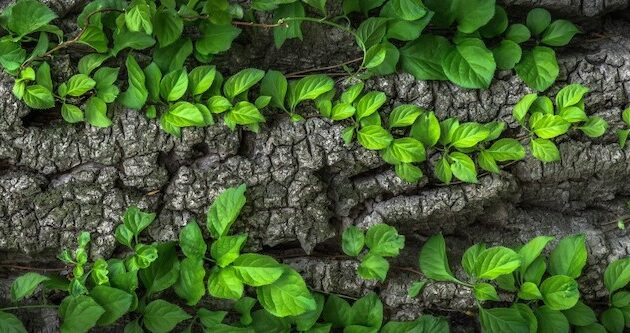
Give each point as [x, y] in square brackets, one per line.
[305, 186]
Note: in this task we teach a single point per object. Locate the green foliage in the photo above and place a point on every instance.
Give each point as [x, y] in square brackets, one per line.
[381, 240]
[537, 115]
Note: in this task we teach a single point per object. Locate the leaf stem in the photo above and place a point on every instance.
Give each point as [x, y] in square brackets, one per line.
[36, 306]
[320, 69]
[325, 22]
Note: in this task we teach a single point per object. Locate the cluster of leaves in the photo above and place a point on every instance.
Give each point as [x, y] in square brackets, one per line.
[537, 116]
[622, 134]
[543, 289]
[416, 131]
[381, 240]
[102, 292]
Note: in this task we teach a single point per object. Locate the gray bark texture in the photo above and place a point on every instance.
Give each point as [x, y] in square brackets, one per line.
[305, 185]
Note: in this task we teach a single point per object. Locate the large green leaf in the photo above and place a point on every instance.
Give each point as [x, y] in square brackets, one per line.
[569, 256]
[470, 64]
[27, 16]
[257, 269]
[474, 14]
[287, 296]
[560, 292]
[114, 301]
[25, 285]
[538, 68]
[433, 260]
[11, 324]
[241, 82]
[374, 137]
[190, 285]
[496, 261]
[501, 320]
[423, 57]
[225, 209]
[79, 314]
[161, 316]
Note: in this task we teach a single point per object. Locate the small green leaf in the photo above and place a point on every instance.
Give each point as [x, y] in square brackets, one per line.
[241, 82]
[550, 126]
[416, 288]
[463, 167]
[506, 150]
[374, 137]
[225, 209]
[96, 112]
[538, 19]
[337, 311]
[550, 320]
[11, 324]
[426, 129]
[443, 170]
[190, 285]
[617, 275]
[500, 320]
[580, 315]
[168, 26]
[257, 269]
[227, 248]
[218, 104]
[373, 267]
[161, 316]
[560, 292]
[245, 113]
[224, 283]
[529, 291]
[496, 261]
[470, 64]
[287, 296]
[384, 240]
[137, 220]
[507, 54]
[27, 16]
[191, 241]
[404, 115]
[613, 320]
[474, 14]
[433, 260]
[200, 79]
[408, 150]
[545, 150]
[408, 172]
[174, 85]
[538, 68]
[274, 84]
[485, 292]
[71, 113]
[136, 94]
[79, 314]
[559, 33]
[468, 135]
[352, 241]
[570, 95]
[114, 301]
[371, 32]
[309, 88]
[25, 285]
[423, 57]
[38, 97]
[374, 56]
[569, 257]
[518, 33]
[594, 127]
[470, 257]
[216, 38]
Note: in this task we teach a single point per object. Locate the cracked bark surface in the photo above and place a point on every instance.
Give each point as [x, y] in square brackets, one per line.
[305, 186]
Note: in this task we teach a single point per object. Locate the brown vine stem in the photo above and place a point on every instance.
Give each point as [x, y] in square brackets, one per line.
[76, 38]
[27, 268]
[320, 69]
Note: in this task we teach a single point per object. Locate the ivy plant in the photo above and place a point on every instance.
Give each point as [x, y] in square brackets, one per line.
[538, 117]
[381, 240]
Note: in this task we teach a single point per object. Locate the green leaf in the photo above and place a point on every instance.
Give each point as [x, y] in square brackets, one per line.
[218, 104]
[172, 57]
[594, 127]
[573, 114]
[545, 150]
[137, 220]
[245, 113]
[190, 285]
[443, 170]
[507, 54]
[569, 256]
[216, 38]
[348, 134]
[38, 97]
[27, 16]
[570, 95]
[274, 84]
[161, 316]
[613, 320]
[224, 283]
[163, 272]
[384, 240]
[136, 94]
[550, 126]
[408, 172]
[96, 112]
[538, 20]
[71, 113]
[433, 260]
[487, 162]
[210, 318]
[560, 292]
[620, 299]
[529, 291]
[470, 257]
[390, 62]
[337, 311]
[507, 150]
[227, 248]
[469, 135]
[368, 311]
[225, 209]
[132, 40]
[11, 324]
[496, 261]
[623, 137]
[408, 10]
[422, 58]
[532, 250]
[200, 79]
[25, 285]
[518, 33]
[168, 26]
[580, 315]
[485, 292]
[287, 296]
[263, 321]
[309, 88]
[373, 267]
[191, 241]
[522, 107]
[463, 167]
[416, 288]
[371, 32]
[470, 64]
[550, 320]
[374, 137]
[12, 55]
[408, 150]
[174, 85]
[79, 314]
[352, 241]
[291, 29]
[94, 38]
[114, 301]
[308, 320]
[426, 129]
[138, 17]
[617, 275]
[374, 56]
[500, 320]
[497, 25]
[90, 62]
[538, 68]
[241, 82]
[352, 93]
[404, 115]
[474, 14]
[559, 33]
[257, 269]
[593, 328]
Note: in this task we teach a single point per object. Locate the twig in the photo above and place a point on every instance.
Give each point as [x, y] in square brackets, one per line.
[320, 69]
[34, 268]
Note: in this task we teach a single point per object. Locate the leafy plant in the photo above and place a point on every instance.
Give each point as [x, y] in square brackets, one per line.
[622, 134]
[543, 289]
[537, 116]
[381, 240]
